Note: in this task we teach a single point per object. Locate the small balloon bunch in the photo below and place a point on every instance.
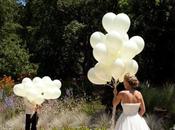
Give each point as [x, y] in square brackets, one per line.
[114, 50]
[38, 89]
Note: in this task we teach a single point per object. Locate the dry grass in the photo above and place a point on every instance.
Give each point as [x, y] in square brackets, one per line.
[100, 120]
[63, 114]
[15, 123]
[67, 114]
[154, 122]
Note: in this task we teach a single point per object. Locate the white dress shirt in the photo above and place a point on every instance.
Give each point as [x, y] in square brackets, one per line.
[30, 107]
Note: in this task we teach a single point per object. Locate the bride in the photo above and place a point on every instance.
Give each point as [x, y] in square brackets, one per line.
[133, 106]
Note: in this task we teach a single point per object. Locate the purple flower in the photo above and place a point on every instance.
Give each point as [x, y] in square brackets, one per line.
[9, 101]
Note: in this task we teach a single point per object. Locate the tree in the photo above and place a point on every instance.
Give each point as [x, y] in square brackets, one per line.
[14, 58]
[154, 21]
[47, 24]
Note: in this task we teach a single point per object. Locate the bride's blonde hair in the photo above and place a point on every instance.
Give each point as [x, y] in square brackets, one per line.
[132, 80]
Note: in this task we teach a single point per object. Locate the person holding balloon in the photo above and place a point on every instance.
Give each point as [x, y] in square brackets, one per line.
[133, 106]
[35, 92]
[31, 111]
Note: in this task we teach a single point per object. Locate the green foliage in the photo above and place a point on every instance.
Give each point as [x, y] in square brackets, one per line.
[69, 3]
[14, 56]
[15, 59]
[72, 48]
[154, 122]
[82, 128]
[159, 102]
[124, 5]
[153, 20]
[60, 30]
[43, 34]
[160, 97]
[72, 31]
[8, 11]
[92, 107]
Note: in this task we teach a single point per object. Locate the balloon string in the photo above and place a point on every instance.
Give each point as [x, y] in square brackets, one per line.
[114, 84]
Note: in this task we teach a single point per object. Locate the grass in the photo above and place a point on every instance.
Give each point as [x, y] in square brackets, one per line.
[63, 114]
[159, 102]
[154, 122]
[159, 96]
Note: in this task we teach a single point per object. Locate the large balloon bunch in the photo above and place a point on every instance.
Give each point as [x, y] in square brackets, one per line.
[38, 89]
[114, 50]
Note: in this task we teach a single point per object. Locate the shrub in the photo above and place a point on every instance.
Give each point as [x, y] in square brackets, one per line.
[6, 85]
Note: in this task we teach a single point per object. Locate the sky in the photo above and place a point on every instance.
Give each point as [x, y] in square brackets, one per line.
[23, 2]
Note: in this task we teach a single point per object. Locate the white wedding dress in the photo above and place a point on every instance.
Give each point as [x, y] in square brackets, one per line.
[130, 119]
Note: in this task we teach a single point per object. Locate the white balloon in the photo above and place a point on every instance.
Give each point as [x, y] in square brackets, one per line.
[110, 58]
[19, 90]
[42, 90]
[125, 37]
[38, 100]
[121, 23]
[97, 37]
[36, 80]
[51, 93]
[140, 43]
[46, 80]
[48, 89]
[93, 78]
[114, 42]
[40, 86]
[37, 90]
[31, 93]
[28, 85]
[107, 21]
[117, 68]
[103, 72]
[26, 80]
[128, 51]
[100, 52]
[131, 67]
[57, 83]
[114, 50]
[121, 78]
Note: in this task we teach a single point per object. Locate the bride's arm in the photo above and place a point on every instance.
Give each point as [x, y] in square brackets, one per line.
[117, 99]
[142, 106]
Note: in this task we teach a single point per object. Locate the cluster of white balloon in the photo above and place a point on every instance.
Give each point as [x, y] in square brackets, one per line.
[114, 51]
[38, 89]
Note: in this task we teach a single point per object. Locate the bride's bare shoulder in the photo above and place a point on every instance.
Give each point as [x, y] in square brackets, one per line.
[123, 92]
[138, 92]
